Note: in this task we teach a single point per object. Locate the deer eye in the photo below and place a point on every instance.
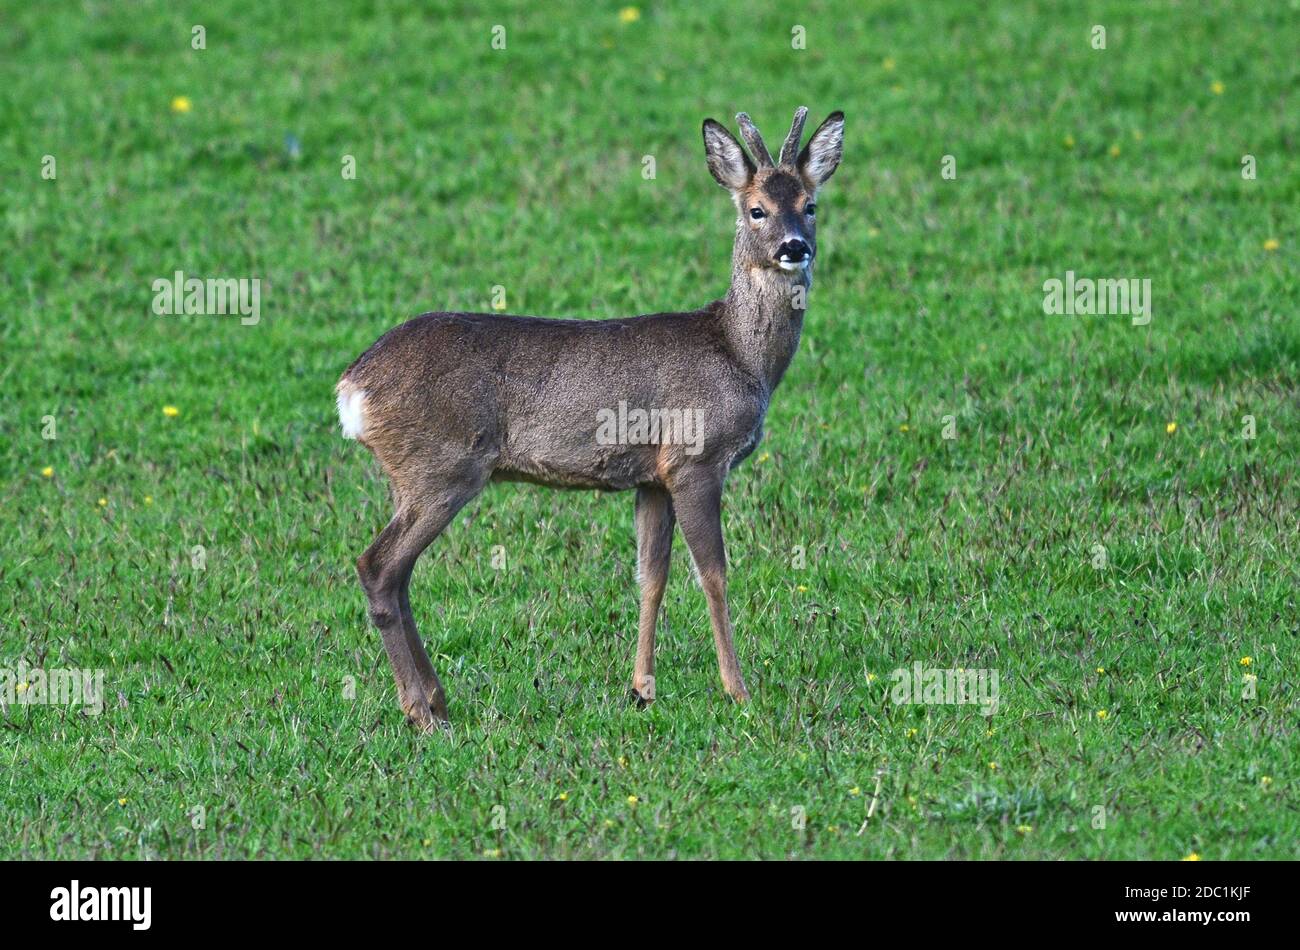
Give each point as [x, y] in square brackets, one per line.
[810, 210]
[757, 213]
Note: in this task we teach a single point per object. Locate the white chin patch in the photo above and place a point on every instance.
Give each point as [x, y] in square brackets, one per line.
[793, 265]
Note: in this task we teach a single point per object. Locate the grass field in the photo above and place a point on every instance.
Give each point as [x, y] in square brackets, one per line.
[1098, 531]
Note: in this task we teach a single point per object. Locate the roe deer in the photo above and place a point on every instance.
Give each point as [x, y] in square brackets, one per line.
[450, 401]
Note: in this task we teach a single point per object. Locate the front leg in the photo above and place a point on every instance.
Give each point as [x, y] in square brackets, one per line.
[654, 544]
[697, 500]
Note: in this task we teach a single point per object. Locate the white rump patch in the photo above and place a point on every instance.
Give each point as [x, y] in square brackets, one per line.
[352, 411]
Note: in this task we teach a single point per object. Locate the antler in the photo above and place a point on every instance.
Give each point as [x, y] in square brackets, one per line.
[790, 150]
[754, 140]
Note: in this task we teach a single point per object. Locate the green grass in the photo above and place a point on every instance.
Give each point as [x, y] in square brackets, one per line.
[522, 168]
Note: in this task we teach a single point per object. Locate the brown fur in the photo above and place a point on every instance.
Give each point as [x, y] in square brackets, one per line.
[455, 400]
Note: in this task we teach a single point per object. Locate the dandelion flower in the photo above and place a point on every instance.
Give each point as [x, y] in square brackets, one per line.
[1217, 87]
[993, 766]
[1102, 714]
[171, 412]
[48, 471]
[608, 823]
[765, 456]
[103, 502]
[888, 64]
[1245, 661]
[855, 790]
[492, 852]
[1171, 427]
[427, 841]
[1114, 151]
[802, 589]
[182, 104]
[148, 499]
[1272, 244]
[629, 15]
[904, 428]
[563, 796]
[1024, 829]
[122, 802]
[1101, 671]
[1192, 857]
[1265, 780]
[871, 677]
[632, 800]
[1068, 141]
[913, 733]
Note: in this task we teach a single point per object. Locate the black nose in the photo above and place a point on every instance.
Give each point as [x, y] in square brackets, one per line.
[793, 251]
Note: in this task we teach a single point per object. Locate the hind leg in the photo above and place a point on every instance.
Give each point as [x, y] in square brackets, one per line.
[385, 571]
[432, 686]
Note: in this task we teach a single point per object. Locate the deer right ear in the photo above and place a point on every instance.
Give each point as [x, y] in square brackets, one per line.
[727, 160]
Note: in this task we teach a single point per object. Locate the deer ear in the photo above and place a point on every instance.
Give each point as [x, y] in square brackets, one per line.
[821, 155]
[727, 160]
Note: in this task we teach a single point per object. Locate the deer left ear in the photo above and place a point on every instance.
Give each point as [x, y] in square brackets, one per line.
[819, 158]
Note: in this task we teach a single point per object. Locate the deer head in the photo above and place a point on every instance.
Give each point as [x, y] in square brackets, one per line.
[776, 230]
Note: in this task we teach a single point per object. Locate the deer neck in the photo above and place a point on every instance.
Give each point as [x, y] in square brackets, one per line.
[761, 319]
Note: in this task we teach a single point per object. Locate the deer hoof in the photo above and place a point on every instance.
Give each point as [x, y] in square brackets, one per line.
[428, 721]
[738, 692]
[426, 715]
[643, 691]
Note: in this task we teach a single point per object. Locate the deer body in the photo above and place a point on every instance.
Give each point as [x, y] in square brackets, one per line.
[450, 401]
